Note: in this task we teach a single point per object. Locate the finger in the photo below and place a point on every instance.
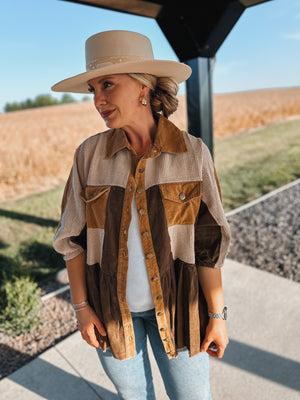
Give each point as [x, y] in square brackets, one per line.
[216, 353]
[90, 337]
[100, 328]
[204, 346]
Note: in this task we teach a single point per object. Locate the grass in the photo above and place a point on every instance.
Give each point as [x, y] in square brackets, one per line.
[27, 228]
[252, 164]
[248, 165]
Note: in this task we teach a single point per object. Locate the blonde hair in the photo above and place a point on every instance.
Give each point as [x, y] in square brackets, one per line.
[163, 93]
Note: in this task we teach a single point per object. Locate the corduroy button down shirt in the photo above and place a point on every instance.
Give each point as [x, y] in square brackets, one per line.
[182, 227]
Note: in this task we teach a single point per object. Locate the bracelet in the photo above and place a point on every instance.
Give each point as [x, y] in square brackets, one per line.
[222, 315]
[80, 308]
[79, 304]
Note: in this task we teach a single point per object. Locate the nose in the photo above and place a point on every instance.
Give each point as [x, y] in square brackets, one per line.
[99, 99]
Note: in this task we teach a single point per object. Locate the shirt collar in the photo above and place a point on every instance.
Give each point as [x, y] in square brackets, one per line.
[168, 139]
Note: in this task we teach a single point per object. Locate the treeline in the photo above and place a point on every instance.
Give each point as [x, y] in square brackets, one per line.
[41, 100]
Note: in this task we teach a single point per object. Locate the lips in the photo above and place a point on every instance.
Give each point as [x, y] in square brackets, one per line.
[106, 113]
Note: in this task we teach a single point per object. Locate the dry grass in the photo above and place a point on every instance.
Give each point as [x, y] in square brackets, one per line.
[37, 146]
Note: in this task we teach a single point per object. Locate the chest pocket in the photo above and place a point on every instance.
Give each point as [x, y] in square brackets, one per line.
[95, 198]
[181, 202]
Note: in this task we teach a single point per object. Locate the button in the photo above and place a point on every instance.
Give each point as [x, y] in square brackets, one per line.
[128, 326]
[149, 255]
[159, 297]
[141, 170]
[145, 234]
[154, 279]
[139, 190]
[163, 329]
[125, 232]
[160, 313]
[130, 338]
[124, 253]
[142, 211]
[182, 196]
[127, 210]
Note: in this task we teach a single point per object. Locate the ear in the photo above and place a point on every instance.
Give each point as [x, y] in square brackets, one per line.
[144, 92]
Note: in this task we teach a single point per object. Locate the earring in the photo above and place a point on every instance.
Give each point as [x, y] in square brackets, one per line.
[144, 101]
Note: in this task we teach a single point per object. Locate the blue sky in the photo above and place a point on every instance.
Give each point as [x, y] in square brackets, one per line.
[42, 42]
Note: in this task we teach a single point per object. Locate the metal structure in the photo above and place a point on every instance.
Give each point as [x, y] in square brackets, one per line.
[195, 29]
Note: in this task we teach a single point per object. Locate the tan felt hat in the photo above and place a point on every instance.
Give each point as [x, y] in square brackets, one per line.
[121, 52]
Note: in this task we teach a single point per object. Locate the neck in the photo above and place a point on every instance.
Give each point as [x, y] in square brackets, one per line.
[142, 134]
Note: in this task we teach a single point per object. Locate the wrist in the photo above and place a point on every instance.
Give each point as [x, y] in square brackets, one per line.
[80, 306]
[218, 315]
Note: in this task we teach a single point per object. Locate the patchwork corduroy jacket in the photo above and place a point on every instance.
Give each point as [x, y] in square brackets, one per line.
[181, 221]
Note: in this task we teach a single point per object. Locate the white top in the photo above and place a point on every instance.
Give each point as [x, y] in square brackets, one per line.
[138, 292]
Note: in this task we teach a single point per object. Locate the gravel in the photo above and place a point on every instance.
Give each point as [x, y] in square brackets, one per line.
[265, 236]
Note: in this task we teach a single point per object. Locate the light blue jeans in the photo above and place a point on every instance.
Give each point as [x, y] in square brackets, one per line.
[184, 378]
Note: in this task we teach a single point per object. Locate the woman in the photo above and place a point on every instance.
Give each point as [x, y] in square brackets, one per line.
[143, 230]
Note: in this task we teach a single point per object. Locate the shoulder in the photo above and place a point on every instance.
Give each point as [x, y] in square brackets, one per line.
[93, 141]
[194, 144]
[198, 149]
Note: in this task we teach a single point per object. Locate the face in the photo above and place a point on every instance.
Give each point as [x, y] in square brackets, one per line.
[117, 99]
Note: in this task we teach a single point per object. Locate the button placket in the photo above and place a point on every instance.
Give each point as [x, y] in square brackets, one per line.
[153, 271]
[123, 267]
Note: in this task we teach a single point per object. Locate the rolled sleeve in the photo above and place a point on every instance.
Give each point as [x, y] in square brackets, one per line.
[68, 238]
[212, 231]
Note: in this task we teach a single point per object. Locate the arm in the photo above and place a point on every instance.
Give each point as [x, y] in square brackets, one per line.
[86, 318]
[211, 282]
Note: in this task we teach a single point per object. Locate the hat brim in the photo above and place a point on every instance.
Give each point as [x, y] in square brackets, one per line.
[179, 72]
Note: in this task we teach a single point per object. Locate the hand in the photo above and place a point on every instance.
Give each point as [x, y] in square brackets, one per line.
[216, 338]
[88, 322]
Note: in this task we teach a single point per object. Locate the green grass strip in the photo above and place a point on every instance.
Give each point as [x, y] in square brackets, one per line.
[253, 164]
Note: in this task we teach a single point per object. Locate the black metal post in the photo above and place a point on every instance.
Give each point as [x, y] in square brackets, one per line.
[200, 100]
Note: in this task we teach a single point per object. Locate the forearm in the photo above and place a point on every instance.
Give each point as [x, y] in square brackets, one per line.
[76, 273]
[211, 283]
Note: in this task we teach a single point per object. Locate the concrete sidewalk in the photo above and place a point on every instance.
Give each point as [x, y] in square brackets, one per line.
[261, 362]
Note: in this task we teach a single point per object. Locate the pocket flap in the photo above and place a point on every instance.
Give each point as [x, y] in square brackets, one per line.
[91, 193]
[180, 192]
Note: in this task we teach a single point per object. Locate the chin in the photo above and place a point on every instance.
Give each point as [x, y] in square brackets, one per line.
[112, 124]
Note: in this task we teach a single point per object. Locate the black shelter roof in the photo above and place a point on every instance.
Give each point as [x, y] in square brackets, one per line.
[194, 28]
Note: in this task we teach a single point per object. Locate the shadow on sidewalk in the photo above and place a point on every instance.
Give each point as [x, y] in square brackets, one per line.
[54, 382]
[267, 365]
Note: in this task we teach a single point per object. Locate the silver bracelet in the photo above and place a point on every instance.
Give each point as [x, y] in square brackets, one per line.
[79, 304]
[80, 308]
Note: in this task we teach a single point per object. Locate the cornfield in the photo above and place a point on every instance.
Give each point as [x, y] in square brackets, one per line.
[37, 145]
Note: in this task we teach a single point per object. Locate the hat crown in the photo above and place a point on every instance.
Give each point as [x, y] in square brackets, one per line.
[112, 47]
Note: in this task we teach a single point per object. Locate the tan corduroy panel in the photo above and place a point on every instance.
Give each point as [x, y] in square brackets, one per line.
[95, 198]
[181, 202]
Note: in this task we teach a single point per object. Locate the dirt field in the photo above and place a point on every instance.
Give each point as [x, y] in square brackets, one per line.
[37, 145]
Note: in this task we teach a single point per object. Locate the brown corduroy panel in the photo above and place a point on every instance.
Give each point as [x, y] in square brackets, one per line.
[207, 238]
[114, 205]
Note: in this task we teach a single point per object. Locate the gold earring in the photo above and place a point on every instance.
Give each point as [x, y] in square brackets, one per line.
[144, 101]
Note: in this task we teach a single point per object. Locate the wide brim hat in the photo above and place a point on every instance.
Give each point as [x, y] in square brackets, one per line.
[121, 52]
